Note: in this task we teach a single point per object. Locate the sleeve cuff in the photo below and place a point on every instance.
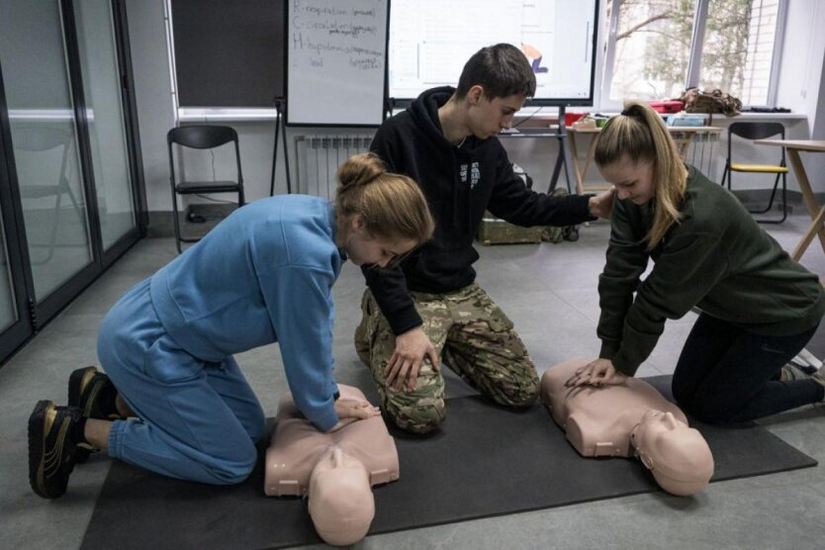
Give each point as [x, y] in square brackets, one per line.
[587, 216]
[327, 421]
[404, 320]
[609, 349]
[624, 365]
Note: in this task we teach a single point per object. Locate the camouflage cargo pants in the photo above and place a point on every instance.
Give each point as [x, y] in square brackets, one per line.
[472, 336]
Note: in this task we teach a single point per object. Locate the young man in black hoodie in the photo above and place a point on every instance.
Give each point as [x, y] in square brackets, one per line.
[428, 303]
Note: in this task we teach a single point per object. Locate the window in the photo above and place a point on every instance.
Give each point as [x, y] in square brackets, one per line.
[657, 48]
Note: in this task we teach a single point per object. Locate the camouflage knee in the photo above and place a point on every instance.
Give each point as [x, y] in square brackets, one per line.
[523, 392]
[516, 385]
[421, 410]
[421, 417]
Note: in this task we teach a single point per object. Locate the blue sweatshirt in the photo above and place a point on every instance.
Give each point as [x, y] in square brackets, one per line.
[263, 275]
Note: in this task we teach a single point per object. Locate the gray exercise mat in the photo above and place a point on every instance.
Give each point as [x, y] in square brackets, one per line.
[486, 461]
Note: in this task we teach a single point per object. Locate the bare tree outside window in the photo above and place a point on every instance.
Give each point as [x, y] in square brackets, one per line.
[738, 49]
[653, 46]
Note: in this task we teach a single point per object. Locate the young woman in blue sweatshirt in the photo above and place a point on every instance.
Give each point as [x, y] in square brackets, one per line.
[181, 406]
[758, 307]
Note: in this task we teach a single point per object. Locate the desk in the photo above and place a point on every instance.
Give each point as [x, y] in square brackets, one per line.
[682, 135]
[557, 132]
[817, 213]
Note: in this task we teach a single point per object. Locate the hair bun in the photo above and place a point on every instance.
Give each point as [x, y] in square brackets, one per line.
[360, 170]
[632, 110]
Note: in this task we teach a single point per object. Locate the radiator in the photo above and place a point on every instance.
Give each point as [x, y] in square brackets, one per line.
[318, 158]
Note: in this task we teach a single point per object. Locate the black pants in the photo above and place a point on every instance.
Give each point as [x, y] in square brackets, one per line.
[728, 375]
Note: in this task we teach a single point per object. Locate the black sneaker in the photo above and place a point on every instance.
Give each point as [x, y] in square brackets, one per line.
[52, 453]
[86, 386]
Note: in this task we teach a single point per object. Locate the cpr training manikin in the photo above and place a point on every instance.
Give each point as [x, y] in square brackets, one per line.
[335, 471]
[627, 419]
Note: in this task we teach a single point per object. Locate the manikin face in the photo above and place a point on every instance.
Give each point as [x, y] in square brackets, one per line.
[365, 249]
[633, 181]
[655, 425]
[341, 503]
[489, 117]
[677, 455]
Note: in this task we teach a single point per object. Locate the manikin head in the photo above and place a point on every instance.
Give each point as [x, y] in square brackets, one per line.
[341, 502]
[678, 456]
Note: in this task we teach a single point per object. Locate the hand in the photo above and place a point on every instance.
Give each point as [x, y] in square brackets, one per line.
[598, 373]
[601, 205]
[405, 362]
[351, 410]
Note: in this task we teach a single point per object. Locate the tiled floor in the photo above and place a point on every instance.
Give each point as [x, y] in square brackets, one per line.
[550, 293]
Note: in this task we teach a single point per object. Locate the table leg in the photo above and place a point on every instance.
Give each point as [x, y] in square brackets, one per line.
[575, 160]
[809, 236]
[810, 201]
[591, 152]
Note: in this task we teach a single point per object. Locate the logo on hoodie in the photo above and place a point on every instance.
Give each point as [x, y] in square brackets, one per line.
[475, 173]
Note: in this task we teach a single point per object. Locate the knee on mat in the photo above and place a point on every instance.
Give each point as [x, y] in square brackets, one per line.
[234, 470]
[521, 396]
[257, 428]
[421, 418]
[706, 410]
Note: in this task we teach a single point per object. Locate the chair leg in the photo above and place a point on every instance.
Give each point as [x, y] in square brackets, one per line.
[725, 176]
[784, 200]
[175, 220]
[770, 201]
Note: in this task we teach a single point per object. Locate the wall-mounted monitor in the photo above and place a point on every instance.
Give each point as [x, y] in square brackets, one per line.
[430, 40]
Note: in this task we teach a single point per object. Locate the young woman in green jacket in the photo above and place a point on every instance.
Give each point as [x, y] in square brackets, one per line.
[758, 308]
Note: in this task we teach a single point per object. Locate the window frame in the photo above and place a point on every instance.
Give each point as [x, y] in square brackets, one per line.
[603, 101]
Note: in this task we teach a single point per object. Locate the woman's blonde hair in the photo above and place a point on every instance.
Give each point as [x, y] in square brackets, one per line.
[640, 134]
[392, 205]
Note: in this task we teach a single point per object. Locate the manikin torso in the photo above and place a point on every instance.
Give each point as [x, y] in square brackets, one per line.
[297, 446]
[598, 421]
[627, 419]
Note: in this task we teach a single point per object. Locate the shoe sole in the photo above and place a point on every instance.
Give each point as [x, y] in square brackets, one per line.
[40, 422]
[77, 381]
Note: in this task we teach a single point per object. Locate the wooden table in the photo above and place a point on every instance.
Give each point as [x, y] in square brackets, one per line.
[682, 135]
[817, 212]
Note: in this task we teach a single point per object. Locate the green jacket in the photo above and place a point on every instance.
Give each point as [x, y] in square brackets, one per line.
[716, 258]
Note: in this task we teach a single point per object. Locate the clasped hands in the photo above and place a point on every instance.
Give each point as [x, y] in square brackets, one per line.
[599, 373]
[350, 410]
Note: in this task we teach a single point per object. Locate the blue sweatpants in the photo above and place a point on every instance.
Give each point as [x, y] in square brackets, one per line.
[197, 420]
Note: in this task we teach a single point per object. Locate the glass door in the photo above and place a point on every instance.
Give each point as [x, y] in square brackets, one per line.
[70, 182]
[105, 118]
[45, 144]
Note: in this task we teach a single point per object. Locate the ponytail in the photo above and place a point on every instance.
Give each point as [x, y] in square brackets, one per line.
[640, 134]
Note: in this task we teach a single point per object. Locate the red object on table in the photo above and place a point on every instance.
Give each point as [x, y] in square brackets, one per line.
[570, 118]
[669, 106]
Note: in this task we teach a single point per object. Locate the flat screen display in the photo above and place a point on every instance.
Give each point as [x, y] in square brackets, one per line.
[430, 40]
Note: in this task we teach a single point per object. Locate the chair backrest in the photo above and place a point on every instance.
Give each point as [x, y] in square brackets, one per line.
[202, 137]
[756, 130]
[40, 138]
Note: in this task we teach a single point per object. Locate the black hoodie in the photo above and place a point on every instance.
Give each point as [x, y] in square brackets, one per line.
[460, 182]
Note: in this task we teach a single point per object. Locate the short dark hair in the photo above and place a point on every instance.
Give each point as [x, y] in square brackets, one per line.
[502, 70]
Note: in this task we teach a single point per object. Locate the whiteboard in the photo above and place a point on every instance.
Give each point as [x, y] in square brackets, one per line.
[431, 40]
[336, 62]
